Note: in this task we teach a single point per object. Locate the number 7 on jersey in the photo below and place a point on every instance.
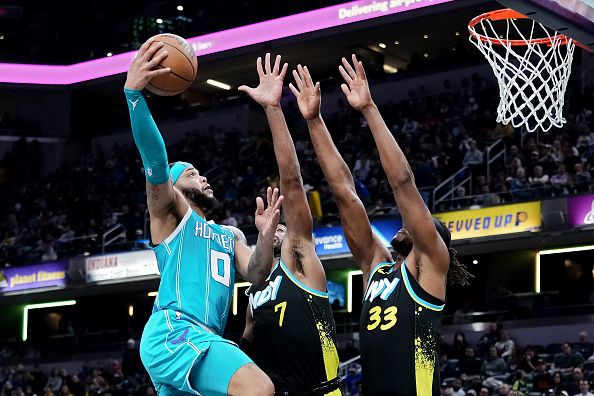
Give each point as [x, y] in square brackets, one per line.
[282, 306]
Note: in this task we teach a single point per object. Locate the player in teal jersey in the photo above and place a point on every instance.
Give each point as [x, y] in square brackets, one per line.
[181, 347]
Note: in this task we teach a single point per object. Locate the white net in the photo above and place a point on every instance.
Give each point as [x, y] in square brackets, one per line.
[532, 73]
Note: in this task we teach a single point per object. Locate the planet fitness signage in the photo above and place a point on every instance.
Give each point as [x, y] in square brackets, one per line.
[580, 210]
[33, 276]
[496, 220]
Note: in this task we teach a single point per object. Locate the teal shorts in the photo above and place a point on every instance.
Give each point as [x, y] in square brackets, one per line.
[183, 357]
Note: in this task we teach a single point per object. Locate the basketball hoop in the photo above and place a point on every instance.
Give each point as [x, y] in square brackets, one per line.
[532, 66]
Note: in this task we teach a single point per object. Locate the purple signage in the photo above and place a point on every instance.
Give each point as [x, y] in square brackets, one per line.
[580, 210]
[274, 29]
[33, 276]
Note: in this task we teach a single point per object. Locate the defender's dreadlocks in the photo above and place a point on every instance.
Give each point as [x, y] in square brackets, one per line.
[457, 273]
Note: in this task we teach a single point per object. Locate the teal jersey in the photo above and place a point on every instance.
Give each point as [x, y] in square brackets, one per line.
[197, 269]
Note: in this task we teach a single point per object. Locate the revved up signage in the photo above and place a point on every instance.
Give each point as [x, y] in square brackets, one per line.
[496, 220]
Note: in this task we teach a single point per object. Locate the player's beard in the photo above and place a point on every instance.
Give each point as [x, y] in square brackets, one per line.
[277, 248]
[402, 248]
[199, 199]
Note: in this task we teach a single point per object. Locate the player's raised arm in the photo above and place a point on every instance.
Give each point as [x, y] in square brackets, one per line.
[297, 214]
[255, 266]
[163, 203]
[430, 251]
[366, 248]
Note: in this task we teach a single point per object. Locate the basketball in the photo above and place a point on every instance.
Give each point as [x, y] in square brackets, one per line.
[183, 64]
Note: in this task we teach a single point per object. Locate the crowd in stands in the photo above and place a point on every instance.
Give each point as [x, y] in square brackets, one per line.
[65, 212]
[558, 165]
[121, 377]
[496, 365]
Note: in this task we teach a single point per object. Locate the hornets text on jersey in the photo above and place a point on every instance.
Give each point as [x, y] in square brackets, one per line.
[399, 330]
[181, 345]
[197, 269]
[294, 335]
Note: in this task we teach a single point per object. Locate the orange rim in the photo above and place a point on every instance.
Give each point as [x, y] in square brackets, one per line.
[507, 13]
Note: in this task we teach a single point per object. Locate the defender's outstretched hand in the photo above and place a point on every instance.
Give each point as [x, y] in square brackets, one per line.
[268, 92]
[356, 88]
[267, 220]
[307, 93]
[142, 70]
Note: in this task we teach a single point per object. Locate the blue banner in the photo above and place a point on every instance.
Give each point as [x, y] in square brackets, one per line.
[331, 240]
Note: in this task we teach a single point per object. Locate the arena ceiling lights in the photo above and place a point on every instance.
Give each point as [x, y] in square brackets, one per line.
[292, 25]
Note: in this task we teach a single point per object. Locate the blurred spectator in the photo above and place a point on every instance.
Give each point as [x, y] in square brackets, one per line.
[54, 382]
[560, 180]
[473, 156]
[484, 392]
[447, 369]
[584, 389]
[460, 200]
[557, 387]
[539, 180]
[519, 186]
[494, 365]
[582, 178]
[529, 362]
[584, 347]
[459, 346]
[76, 386]
[489, 338]
[567, 359]
[131, 359]
[505, 345]
[229, 219]
[463, 314]
[505, 390]
[513, 156]
[456, 389]
[542, 380]
[470, 364]
[520, 384]
[500, 186]
[362, 190]
[486, 198]
[363, 165]
[573, 384]
[353, 379]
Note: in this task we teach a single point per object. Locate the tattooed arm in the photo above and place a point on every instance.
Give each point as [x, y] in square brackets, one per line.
[166, 205]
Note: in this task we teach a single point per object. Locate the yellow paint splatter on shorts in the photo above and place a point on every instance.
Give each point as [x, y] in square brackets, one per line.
[329, 351]
[424, 367]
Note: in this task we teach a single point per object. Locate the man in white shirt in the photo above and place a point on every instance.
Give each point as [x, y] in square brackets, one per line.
[456, 389]
[584, 389]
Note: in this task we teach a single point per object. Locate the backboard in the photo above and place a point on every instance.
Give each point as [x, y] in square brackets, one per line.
[574, 18]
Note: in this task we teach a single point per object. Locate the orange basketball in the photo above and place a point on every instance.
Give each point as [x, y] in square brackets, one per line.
[182, 61]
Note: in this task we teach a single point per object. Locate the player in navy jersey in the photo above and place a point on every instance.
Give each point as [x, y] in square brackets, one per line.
[290, 331]
[182, 347]
[401, 312]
